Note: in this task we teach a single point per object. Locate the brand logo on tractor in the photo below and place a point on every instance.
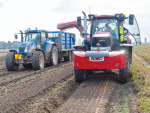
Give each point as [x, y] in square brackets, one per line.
[96, 58]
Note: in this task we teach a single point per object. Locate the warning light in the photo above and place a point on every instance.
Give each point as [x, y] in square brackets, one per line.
[27, 29]
[124, 15]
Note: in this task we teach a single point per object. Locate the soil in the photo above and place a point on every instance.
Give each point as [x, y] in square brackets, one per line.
[54, 90]
[101, 93]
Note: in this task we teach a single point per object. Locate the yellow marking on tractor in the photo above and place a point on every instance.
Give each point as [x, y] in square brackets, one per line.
[17, 56]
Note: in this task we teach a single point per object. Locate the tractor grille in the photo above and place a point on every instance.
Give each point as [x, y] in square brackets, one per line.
[21, 49]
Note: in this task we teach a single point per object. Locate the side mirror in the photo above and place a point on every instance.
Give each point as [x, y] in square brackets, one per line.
[131, 19]
[79, 21]
[16, 36]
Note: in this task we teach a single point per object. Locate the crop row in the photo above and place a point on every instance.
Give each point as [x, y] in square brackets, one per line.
[143, 51]
[141, 79]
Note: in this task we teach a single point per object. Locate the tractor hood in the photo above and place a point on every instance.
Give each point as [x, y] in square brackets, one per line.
[104, 39]
[102, 34]
[26, 47]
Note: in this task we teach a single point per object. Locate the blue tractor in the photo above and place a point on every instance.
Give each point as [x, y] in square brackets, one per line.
[41, 48]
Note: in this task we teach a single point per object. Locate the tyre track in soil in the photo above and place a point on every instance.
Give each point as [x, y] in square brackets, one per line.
[9, 78]
[20, 92]
[101, 93]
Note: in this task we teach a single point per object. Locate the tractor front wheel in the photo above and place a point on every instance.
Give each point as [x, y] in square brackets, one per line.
[38, 60]
[11, 66]
[123, 73]
[80, 75]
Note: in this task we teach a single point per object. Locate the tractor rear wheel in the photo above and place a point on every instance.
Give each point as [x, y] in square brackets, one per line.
[38, 60]
[11, 66]
[123, 73]
[80, 75]
[54, 56]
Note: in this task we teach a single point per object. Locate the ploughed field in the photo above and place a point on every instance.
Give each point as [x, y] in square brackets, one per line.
[53, 89]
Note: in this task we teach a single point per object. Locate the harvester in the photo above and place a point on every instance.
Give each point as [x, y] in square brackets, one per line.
[102, 48]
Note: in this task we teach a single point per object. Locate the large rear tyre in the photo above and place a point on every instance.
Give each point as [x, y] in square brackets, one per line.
[80, 75]
[38, 60]
[10, 65]
[123, 73]
[54, 56]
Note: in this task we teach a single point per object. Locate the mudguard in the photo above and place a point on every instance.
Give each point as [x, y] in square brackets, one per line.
[107, 60]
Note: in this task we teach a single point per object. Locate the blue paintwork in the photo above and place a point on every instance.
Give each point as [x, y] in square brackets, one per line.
[31, 31]
[67, 39]
[27, 44]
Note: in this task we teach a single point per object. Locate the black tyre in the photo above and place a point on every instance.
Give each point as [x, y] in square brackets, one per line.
[123, 73]
[54, 56]
[80, 75]
[27, 66]
[38, 60]
[10, 65]
[69, 57]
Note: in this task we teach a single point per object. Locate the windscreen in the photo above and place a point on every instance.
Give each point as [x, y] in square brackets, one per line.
[33, 37]
[106, 25]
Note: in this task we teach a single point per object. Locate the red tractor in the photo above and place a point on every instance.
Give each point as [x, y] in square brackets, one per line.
[104, 49]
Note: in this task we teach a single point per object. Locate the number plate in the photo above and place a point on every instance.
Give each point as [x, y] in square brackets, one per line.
[17, 56]
[96, 58]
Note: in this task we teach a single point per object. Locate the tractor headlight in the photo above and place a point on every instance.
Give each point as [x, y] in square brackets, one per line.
[26, 49]
[17, 49]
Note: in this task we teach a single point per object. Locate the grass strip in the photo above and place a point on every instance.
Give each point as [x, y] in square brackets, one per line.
[141, 80]
[142, 51]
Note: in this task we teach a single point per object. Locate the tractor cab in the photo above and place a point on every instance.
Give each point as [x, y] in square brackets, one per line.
[105, 30]
[33, 39]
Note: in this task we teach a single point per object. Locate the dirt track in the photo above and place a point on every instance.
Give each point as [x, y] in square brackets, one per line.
[51, 90]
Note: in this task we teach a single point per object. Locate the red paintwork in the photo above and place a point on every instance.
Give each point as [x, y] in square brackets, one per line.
[128, 40]
[64, 26]
[102, 34]
[108, 63]
[98, 16]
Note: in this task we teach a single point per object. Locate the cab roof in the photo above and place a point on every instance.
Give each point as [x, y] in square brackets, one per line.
[30, 31]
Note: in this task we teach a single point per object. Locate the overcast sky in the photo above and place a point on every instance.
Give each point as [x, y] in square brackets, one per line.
[18, 15]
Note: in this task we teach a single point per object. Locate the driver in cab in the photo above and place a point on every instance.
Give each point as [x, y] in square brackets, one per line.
[108, 28]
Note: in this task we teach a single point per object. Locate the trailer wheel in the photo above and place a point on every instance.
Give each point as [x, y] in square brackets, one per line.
[123, 73]
[80, 75]
[69, 57]
[28, 66]
[54, 56]
[38, 60]
[11, 66]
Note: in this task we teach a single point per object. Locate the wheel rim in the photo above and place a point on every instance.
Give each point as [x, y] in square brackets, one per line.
[41, 61]
[55, 56]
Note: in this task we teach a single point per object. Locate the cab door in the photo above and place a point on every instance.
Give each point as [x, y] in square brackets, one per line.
[43, 40]
[134, 32]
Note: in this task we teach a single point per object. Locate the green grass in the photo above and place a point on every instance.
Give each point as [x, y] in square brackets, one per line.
[141, 80]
